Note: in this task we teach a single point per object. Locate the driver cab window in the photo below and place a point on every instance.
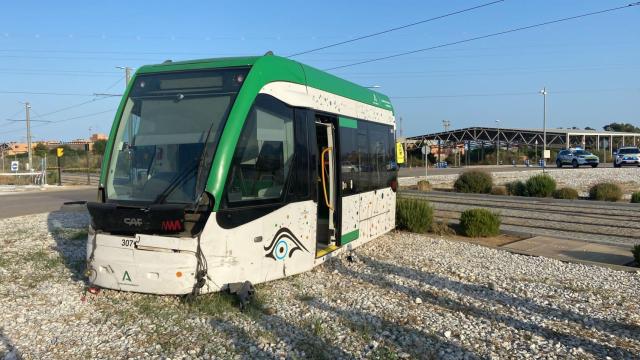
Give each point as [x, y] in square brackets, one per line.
[264, 154]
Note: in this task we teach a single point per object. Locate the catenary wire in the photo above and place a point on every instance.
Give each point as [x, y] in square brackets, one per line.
[395, 28]
[63, 120]
[485, 36]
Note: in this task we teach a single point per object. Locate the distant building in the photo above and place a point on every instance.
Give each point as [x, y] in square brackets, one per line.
[96, 137]
[16, 148]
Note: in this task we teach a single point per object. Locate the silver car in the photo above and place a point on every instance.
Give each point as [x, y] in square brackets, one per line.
[627, 156]
[576, 157]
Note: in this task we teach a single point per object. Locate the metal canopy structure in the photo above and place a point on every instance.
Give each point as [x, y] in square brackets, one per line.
[556, 138]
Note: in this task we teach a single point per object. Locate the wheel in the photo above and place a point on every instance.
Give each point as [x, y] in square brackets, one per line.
[616, 165]
[559, 163]
[575, 163]
[594, 165]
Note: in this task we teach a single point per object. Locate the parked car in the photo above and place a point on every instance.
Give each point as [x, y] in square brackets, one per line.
[576, 157]
[626, 156]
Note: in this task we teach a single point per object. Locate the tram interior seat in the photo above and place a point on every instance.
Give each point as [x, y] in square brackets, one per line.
[268, 180]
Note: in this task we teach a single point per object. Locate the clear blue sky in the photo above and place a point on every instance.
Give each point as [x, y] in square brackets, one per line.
[590, 66]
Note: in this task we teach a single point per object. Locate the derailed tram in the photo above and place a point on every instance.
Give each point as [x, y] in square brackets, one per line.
[226, 171]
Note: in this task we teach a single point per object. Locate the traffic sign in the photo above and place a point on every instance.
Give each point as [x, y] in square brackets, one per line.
[60, 152]
[399, 153]
[15, 165]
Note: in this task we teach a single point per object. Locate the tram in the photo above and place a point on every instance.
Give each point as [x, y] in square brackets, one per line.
[234, 170]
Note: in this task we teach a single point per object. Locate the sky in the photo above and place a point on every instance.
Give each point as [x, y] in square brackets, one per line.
[56, 55]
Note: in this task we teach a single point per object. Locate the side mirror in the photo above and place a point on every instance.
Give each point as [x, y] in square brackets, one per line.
[615, 153]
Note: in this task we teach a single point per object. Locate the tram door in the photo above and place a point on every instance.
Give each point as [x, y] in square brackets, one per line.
[326, 183]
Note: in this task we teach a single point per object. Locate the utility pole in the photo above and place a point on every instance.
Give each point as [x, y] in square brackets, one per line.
[544, 126]
[88, 150]
[498, 143]
[127, 74]
[27, 106]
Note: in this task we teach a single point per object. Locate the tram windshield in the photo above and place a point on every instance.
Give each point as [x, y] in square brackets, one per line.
[168, 133]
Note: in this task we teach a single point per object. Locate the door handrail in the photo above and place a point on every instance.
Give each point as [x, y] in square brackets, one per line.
[324, 181]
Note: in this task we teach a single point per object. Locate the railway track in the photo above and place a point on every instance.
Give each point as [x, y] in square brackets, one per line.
[598, 222]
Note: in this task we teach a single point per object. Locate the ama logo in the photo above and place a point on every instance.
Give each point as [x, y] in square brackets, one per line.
[171, 225]
[283, 245]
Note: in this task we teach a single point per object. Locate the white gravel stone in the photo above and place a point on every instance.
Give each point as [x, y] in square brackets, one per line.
[539, 308]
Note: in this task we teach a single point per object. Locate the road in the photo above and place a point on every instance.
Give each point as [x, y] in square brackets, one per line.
[419, 171]
[34, 202]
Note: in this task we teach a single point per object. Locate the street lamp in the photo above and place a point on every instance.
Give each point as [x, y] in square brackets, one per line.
[498, 143]
[543, 92]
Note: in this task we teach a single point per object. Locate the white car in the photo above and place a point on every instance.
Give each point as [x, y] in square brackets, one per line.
[626, 156]
[576, 157]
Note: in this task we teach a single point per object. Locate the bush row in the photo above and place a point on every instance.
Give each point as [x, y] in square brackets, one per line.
[417, 216]
[541, 185]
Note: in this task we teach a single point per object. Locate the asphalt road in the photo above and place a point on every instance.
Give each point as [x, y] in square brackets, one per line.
[34, 202]
[419, 171]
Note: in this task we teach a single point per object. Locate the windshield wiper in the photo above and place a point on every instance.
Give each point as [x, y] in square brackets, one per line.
[179, 179]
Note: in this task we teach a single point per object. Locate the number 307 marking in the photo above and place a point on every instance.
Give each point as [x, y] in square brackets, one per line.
[128, 242]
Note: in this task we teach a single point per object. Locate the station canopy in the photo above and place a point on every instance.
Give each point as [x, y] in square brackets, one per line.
[556, 138]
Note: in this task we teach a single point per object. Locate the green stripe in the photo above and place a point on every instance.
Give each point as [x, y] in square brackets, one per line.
[349, 237]
[348, 123]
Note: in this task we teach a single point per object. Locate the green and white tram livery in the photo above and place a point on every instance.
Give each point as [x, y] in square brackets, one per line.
[223, 171]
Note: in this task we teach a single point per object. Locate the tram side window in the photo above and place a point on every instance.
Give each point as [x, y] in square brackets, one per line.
[264, 154]
[381, 154]
[367, 157]
[350, 160]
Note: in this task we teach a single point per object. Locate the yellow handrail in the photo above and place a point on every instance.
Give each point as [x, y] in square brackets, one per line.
[324, 181]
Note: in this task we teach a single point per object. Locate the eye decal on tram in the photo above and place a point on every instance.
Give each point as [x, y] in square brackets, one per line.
[283, 245]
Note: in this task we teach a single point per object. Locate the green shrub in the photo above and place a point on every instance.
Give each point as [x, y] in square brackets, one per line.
[605, 192]
[636, 253]
[474, 181]
[517, 188]
[424, 185]
[541, 185]
[479, 223]
[413, 215]
[566, 193]
[499, 190]
[635, 197]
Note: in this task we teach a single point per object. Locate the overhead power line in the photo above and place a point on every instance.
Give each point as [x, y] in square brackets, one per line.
[395, 28]
[486, 36]
[70, 107]
[63, 120]
[44, 93]
[522, 93]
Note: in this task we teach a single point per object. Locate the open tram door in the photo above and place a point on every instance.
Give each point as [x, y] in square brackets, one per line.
[328, 206]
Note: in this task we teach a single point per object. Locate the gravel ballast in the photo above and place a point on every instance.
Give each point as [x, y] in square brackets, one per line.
[401, 296]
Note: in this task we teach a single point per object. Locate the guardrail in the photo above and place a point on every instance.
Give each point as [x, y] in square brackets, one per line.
[39, 178]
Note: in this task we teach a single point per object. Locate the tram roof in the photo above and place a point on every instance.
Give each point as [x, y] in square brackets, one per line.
[281, 69]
